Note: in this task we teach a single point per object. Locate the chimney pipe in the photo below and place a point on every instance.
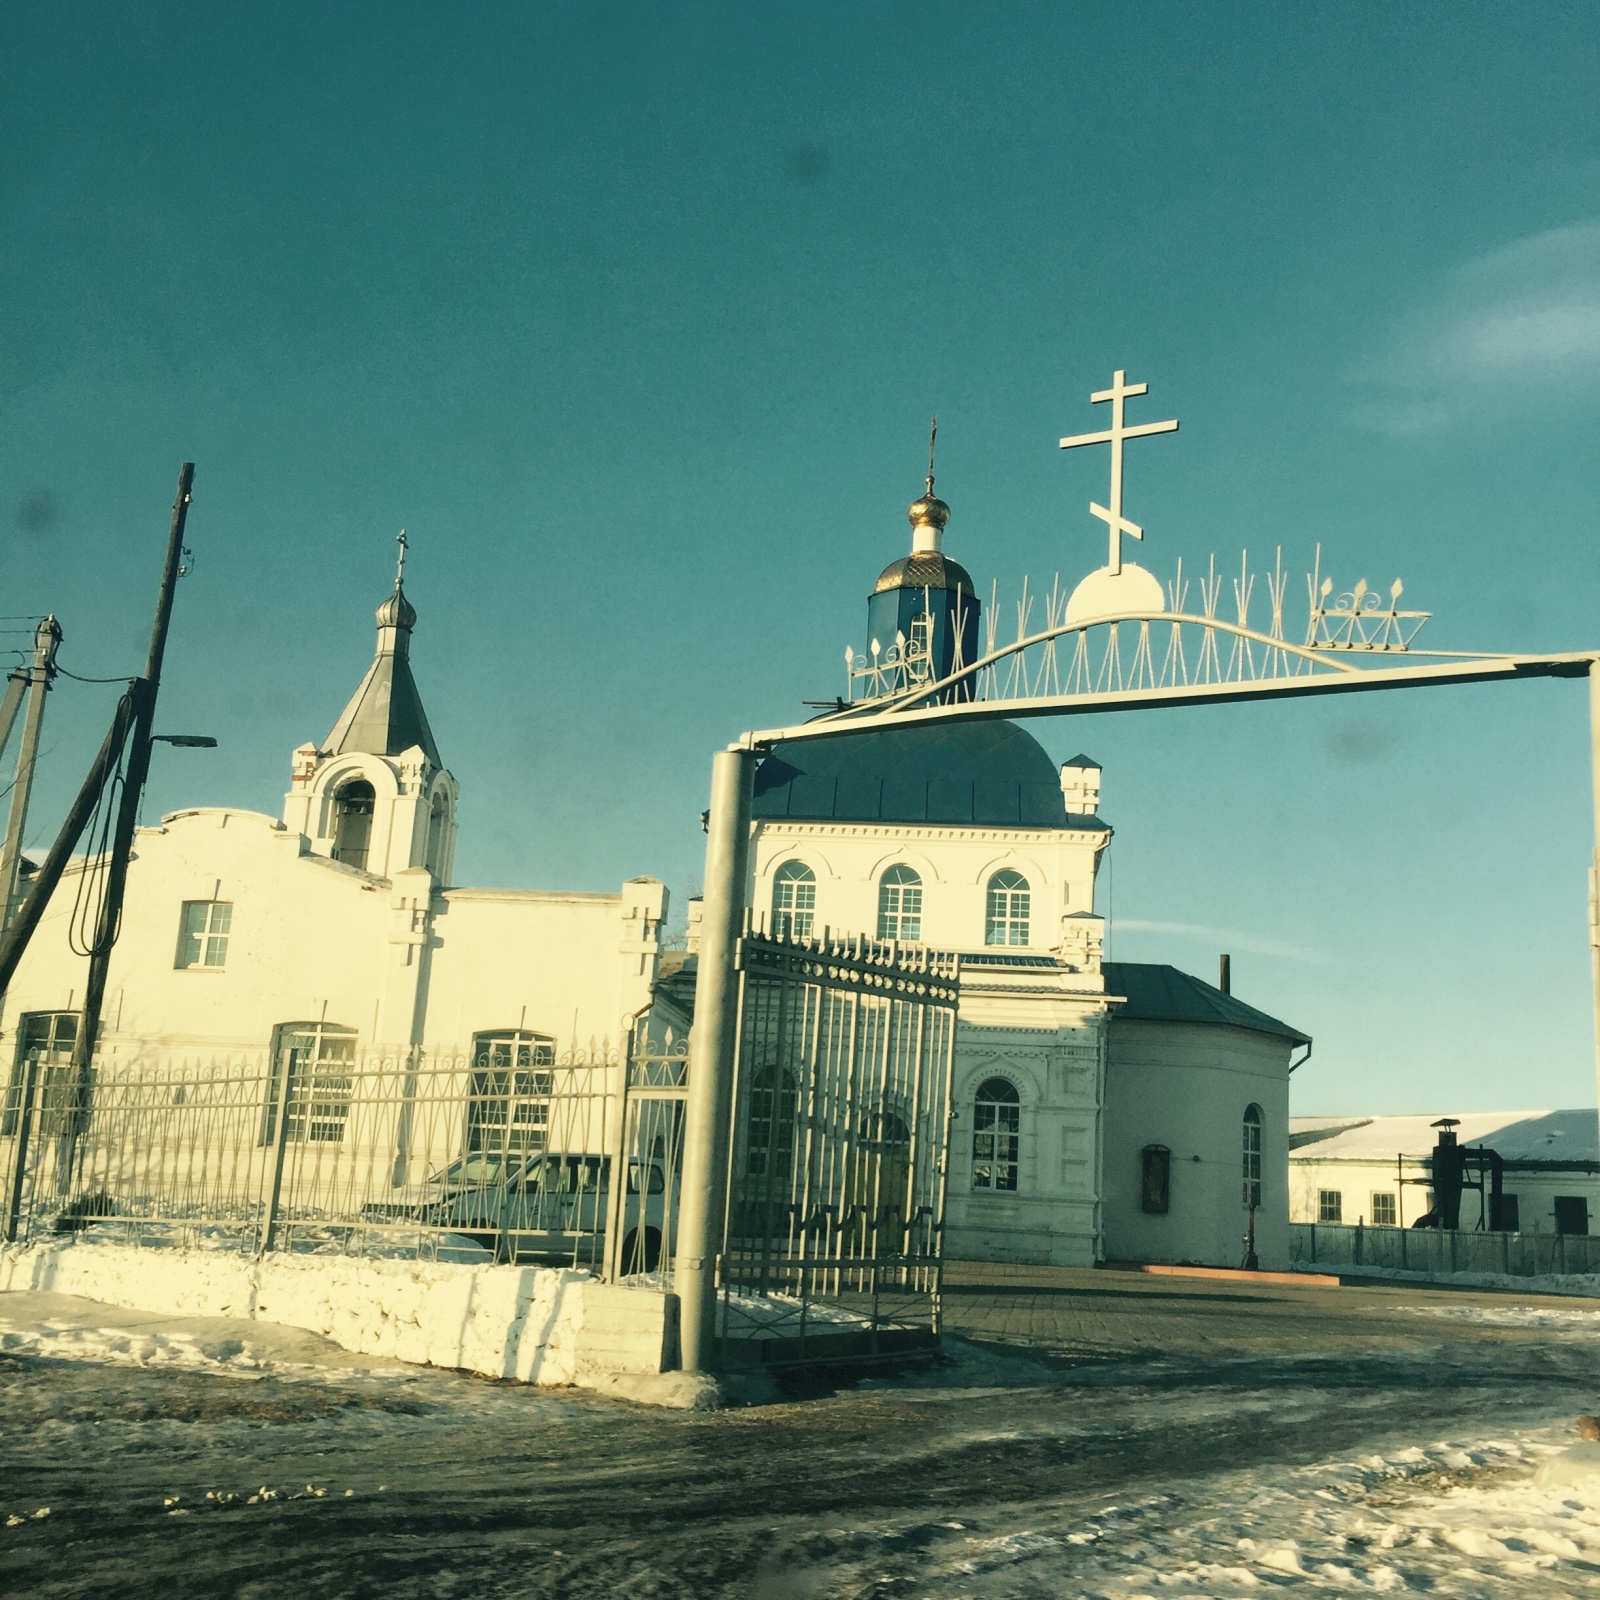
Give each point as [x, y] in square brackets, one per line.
[1225, 975]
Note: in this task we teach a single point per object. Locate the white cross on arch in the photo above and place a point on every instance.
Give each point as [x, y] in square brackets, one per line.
[1119, 391]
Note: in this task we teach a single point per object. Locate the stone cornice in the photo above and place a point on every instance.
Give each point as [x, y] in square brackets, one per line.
[942, 832]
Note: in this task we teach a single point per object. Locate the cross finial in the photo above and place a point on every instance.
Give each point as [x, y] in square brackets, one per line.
[400, 567]
[1120, 391]
[933, 434]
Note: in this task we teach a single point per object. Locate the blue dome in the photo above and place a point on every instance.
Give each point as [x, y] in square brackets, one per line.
[986, 773]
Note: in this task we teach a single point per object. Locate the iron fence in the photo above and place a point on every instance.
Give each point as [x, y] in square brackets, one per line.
[315, 1145]
[836, 1176]
[1443, 1250]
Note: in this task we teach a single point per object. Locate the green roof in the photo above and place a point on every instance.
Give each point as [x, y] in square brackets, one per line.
[1158, 993]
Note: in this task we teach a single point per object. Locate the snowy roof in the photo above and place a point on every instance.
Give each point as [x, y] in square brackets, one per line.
[1515, 1135]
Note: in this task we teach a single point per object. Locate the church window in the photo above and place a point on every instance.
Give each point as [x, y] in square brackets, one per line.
[1008, 909]
[509, 1104]
[203, 933]
[1383, 1209]
[794, 900]
[1155, 1179]
[996, 1135]
[1252, 1157]
[900, 905]
[352, 825]
[438, 822]
[772, 1125]
[1330, 1205]
[313, 1067]
[49, 1038]
[919, 649]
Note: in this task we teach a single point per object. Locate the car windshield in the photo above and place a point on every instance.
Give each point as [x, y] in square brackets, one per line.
[479, 1168]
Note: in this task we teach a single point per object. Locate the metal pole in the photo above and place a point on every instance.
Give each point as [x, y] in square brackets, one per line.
[1594, 868]
[16, 683]
[707, 1110]
[143, 691]
[45, 640]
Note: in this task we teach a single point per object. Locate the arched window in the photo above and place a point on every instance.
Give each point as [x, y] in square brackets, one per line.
[509, 1107]
[318, 1061]
[900, 905]
[1252, 1156]
[794, 899]
[996, 1135]
[1008, 909]
[352, 823]
[438, 822]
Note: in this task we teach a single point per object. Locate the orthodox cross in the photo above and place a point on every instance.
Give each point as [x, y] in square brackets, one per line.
[1119, 391]
[933, 434]
[400, 568]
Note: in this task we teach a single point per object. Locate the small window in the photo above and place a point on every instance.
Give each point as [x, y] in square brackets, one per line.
[1155, 1179]
[1383, 1210]
[352, 824]
[203, 933]
[1572, 1213]
[996, 1136]
[1330, 1205]
[1007, 922]
[794, 900]
[900, 905]
[318, 1060]
[1252, 1157]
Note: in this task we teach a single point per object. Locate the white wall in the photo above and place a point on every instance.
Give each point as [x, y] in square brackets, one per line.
[314, 940]
[1186, 1086]
[955, 865]
[1357, 1180]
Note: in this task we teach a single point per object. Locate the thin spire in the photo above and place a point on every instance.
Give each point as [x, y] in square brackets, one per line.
[933, 435]
[405, 544]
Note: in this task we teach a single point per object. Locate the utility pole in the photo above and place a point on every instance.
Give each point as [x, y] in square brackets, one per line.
[37, 677]
[142, 694]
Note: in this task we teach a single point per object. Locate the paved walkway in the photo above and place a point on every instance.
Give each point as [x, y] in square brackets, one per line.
[1079, 1315]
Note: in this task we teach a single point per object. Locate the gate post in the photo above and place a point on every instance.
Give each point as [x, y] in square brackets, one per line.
[708, 1110]
[1594, 869]
[30, 1077]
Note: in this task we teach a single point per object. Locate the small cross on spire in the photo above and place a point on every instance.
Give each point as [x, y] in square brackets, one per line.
[933, 434]
[1120, 391]
[400, 567]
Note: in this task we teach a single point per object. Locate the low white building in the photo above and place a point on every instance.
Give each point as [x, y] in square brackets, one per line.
[334, 930]
[1376, 1170]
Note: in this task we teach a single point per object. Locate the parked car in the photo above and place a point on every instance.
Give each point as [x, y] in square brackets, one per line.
[540, 1204]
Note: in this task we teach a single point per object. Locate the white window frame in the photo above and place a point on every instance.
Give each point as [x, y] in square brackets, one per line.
[794, 900]
[1330, 1200]
[900, 904]
[1251, 1141]
[321, 1058]
[203, 938]
[1383, 1198]
[1009, 909]
[997, 1138]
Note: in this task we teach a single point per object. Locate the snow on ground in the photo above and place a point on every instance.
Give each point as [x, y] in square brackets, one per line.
[1446, 1518]
[1584, 1284]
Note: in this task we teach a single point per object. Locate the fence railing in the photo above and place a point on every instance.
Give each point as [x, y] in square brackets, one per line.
[1519, 1255]
[836, 1181]
[397, 1152]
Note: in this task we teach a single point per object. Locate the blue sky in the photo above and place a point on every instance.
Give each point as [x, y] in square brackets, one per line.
[634, 316]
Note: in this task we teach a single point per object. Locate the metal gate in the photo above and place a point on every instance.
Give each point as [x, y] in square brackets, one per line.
[836, 1172]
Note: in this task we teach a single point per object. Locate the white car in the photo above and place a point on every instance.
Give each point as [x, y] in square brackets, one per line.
[540, 1204]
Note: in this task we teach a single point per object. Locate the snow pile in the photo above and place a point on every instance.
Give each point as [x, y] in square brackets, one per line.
[1585, 1284]
[61, 1341]
[1449, 1519]
[534, 1325]
[385, 1244]
[1556, 1319]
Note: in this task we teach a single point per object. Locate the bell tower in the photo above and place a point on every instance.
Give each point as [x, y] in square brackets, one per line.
[376, 795]
[922, 615]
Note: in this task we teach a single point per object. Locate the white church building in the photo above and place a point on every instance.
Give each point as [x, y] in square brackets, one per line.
[1103, 1111]
[334, 929]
